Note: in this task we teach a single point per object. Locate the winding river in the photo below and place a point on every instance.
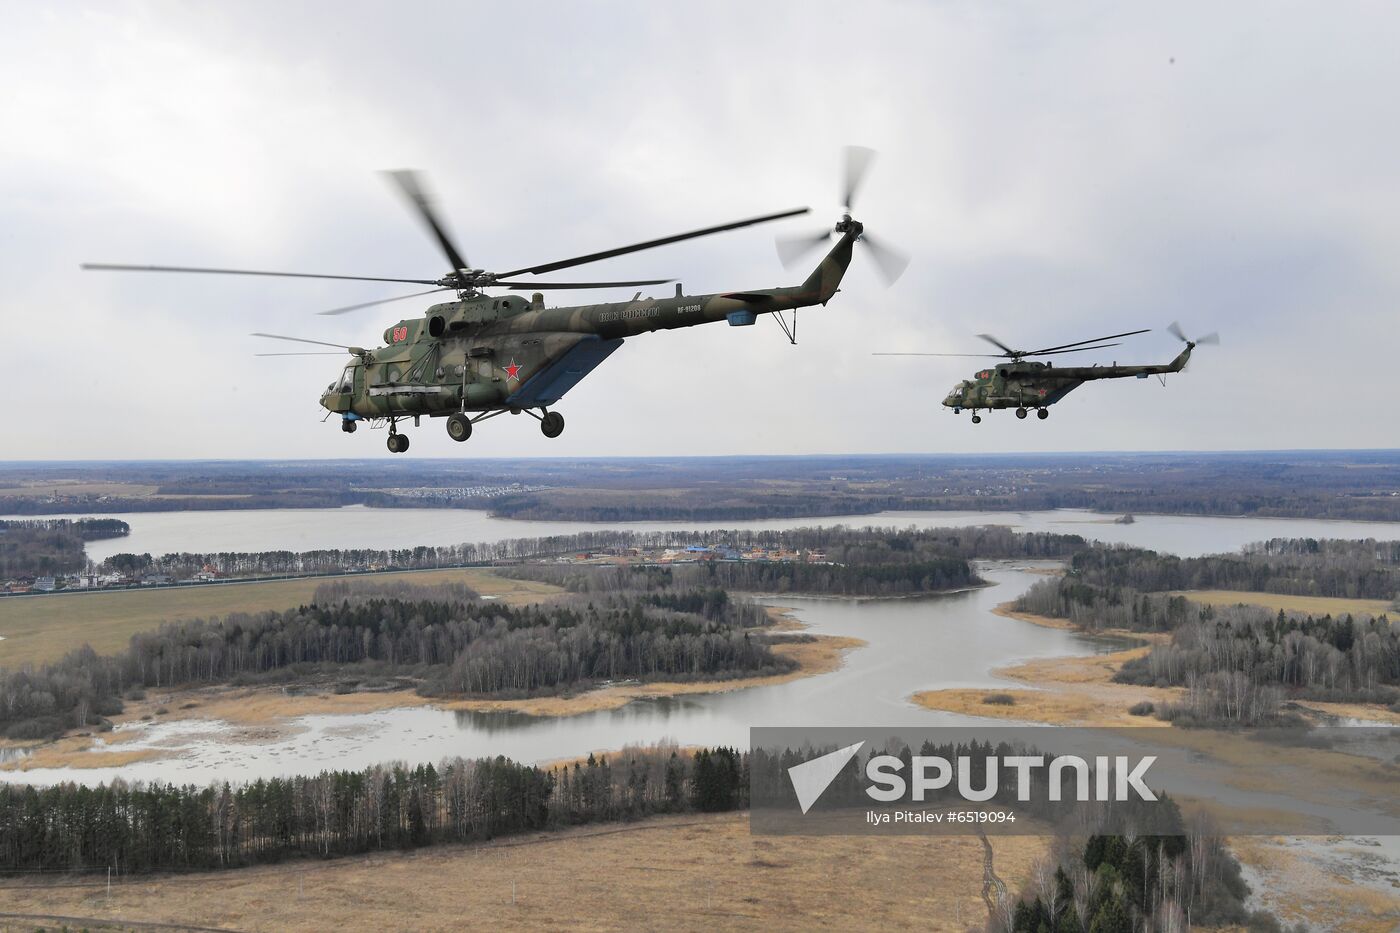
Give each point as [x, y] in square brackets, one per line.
[911, 644]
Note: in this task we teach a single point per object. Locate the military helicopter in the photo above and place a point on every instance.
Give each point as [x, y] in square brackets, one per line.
[1026, 384]
[480, 355]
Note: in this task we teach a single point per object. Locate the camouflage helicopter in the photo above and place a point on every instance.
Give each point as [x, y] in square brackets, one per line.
[1026, 384]
[479, 356]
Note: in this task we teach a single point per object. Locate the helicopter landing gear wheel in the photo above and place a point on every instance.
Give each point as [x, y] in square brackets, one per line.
[348, 426]
[552, 424]
[1021, 413]
[976, 419]
[1042, 413]
[398, 443]
[459, 427]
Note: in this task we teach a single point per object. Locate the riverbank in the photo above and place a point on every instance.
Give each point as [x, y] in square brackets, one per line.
[165, 722]
[1070, 691]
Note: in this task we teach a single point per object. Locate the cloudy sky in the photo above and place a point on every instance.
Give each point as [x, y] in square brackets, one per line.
[1055, 171]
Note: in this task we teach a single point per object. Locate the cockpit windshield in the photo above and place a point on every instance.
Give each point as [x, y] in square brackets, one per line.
[347, 380]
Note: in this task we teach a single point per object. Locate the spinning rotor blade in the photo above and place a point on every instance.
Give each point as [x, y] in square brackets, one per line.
[304, 340]
[410, 184]
[382, 301]
[529, 285]
[793, 248]
[890, 261]
[111, 267]
[995, 342]
[1208, 340]
[650, 244]
[1082, 342]
[1002, 356]
[307, 353]
[858, 159]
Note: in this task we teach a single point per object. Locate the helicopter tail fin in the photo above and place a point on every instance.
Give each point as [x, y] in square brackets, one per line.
[826, 278]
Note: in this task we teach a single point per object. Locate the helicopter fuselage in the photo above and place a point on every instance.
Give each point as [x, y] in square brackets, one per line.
[505, 353]
[1030, 384]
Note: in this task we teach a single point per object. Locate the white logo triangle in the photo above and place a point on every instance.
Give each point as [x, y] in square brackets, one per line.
[813, 777]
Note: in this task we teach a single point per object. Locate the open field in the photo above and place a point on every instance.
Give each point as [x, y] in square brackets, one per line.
[1316, 605]
[37, 629]
[683, 873]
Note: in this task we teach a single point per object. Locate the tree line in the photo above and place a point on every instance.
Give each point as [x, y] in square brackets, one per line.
[1239, 661]
[134, 828]
[1366, 569]
[450, 644]
[47, 547]
[841, 544]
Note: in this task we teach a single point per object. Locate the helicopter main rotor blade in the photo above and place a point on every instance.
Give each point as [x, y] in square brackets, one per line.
[304, 340]
[858, 159]
[995, 342]
[307, 353]
[382, 301]
[650, 244]
[528, 285]
[113, 267]
[1001, 356]
[1080, 342]
[793, 248]
[410, 184]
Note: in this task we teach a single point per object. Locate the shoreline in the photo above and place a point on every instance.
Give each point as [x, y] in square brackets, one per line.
[267, 713]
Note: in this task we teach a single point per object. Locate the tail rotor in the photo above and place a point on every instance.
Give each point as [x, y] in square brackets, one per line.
[890, 261]
[1209, 340]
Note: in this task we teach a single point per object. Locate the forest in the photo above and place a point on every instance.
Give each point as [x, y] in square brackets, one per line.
[869, 562]
[448, 643]
[135, 828]
[1366, 569]
[45, 547]
[1240, 663]
[1114, 880]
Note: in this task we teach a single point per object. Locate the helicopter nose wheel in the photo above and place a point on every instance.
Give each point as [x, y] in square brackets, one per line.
[552, 424]
[1021, 413]
[976, 419]
[398, 443]
[459, 427]
[1042, 413]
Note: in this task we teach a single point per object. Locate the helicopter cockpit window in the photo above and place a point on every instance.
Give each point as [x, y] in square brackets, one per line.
[347, 380]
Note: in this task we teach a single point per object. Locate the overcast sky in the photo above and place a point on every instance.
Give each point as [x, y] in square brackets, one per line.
[1055, 171]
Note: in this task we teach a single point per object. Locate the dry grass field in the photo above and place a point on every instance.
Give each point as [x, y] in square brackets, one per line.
[1317, 605]
[37, 629]
[673, 873]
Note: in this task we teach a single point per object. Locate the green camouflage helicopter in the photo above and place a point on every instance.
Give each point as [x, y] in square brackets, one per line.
[482, 355]
[1025, 384]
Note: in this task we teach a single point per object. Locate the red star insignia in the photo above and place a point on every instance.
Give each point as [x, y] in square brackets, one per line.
[513, 370]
